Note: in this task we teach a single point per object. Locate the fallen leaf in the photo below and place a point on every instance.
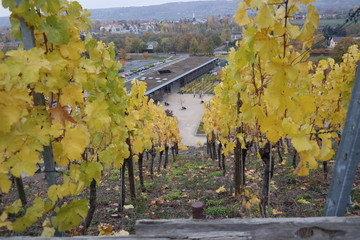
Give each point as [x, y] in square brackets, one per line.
[122, 233]
[157, 201]
[303, 201]
[221, 189]
[105, 229]
[276, 212]
[130, 206]
[184, 195]
[59, 114]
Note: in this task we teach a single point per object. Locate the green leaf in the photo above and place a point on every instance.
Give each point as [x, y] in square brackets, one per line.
[9, 3]
[91, 170]
[70, 215]
[53, 6]
[57, 29]
[32, 215]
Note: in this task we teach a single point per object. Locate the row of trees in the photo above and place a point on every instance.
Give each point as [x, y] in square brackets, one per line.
[272, 98]
[183, 36]
[62, 103]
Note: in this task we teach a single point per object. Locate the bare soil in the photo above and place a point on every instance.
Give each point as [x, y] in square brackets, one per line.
[195, 177]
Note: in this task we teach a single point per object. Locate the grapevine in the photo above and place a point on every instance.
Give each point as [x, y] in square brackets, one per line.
[269, 93]
[85, 118]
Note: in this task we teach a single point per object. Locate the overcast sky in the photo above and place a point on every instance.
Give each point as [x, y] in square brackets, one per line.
[111, 3]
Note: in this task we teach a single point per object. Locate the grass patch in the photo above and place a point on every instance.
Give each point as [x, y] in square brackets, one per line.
[173, 196]
[216, 174]
[305, 196]
[149, 185]
[114, 178]
[215, 202]
[179, 171]
[216, 211]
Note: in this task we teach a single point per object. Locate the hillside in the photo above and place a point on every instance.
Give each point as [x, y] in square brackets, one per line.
[202, 9]
[177, 10]
[174, 11]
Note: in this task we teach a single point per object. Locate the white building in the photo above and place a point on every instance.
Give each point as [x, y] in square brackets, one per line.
[334, 41]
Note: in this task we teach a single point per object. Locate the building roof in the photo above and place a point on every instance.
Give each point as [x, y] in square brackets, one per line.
[337, 39]
[155, 80]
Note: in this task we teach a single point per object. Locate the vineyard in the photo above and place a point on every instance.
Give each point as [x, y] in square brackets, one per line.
[71, 135]
[204, 84]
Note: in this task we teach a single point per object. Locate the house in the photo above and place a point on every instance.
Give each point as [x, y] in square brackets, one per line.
[134, 28]
[150, 46]
[112, 28]
[236, 36]
[334, 41]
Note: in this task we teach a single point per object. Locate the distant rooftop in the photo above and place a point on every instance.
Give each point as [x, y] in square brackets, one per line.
[155, 80]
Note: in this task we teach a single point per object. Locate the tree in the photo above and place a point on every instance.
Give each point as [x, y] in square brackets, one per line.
[145, 55]
[207, 47]
[342, 47]
[122, 53]
[185, 42]
[194, 47]
[319, 42]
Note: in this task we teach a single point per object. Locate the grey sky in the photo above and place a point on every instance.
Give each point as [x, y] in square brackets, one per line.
[112, 3]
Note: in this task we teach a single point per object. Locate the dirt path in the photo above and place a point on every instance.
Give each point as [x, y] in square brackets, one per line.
[189, 118]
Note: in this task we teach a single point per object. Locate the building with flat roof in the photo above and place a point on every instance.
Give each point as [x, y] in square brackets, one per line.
[172, 77]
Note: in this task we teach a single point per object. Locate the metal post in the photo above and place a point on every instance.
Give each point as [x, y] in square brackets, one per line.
[348, 157]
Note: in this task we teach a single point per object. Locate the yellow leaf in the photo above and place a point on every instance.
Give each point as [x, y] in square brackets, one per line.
[4, 223]
[183, 147]
[301, 169]
[302, 201]
[309, 159]
[15, 207]
[75, 141]
[98, 117]
[13, 107]
[310, 25]
[276, 212]
[105, 229]
[221, 189]
[24, 161]
[5, 183]
[72, 94]
[326, 152]
[127, 207]
[137, 146]
[53, 193]
[122, 233]
[272, 127]
[241, 16]
[307, 104]
[306, 2]
[301, 143]
[48, 232]
[265, 17]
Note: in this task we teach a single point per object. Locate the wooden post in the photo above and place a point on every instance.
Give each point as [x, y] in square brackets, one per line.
[198, 210]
